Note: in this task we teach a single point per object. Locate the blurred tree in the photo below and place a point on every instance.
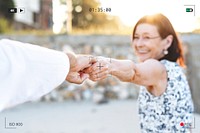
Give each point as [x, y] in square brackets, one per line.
[83, 17]
[4, 6]
[4, 25]
[6, 18]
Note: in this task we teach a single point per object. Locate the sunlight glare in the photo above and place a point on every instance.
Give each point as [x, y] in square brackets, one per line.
[130, 11]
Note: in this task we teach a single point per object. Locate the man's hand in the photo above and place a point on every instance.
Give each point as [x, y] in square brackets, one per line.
[77, 64]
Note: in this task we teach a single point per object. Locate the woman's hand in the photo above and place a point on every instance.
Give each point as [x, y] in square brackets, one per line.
[99, 70]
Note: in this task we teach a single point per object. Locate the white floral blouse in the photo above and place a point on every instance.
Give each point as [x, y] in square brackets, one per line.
[172, 111]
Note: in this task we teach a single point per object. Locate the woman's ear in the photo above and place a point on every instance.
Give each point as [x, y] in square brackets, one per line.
[168, 41]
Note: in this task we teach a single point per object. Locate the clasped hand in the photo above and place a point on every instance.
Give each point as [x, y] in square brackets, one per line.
[86, 66]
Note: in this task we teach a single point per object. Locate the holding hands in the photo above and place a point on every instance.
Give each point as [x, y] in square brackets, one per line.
[87, 66]
[99, 70]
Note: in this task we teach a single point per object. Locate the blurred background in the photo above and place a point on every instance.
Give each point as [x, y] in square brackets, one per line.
[101, 28]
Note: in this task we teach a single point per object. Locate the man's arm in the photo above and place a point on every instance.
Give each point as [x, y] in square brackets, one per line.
[28, 71]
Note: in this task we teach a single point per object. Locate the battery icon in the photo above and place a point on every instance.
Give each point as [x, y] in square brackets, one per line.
[189, 10]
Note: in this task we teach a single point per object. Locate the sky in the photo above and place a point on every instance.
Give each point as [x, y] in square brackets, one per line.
[130, 11]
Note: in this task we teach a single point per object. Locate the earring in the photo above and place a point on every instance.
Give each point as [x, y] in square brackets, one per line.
[165, 52]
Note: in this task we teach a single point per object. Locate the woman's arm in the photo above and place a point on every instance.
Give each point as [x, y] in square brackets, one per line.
[147, 73]
[124, 70]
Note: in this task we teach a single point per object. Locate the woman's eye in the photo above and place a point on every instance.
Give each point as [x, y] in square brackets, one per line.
[146, 37]
[136, 37]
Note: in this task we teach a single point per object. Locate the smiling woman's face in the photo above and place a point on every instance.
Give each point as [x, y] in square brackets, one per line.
[147, 42]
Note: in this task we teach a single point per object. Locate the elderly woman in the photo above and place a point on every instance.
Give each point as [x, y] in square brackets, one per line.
[165, 102]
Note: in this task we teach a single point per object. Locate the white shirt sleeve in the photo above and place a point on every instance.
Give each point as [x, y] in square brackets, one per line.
[28, 72]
